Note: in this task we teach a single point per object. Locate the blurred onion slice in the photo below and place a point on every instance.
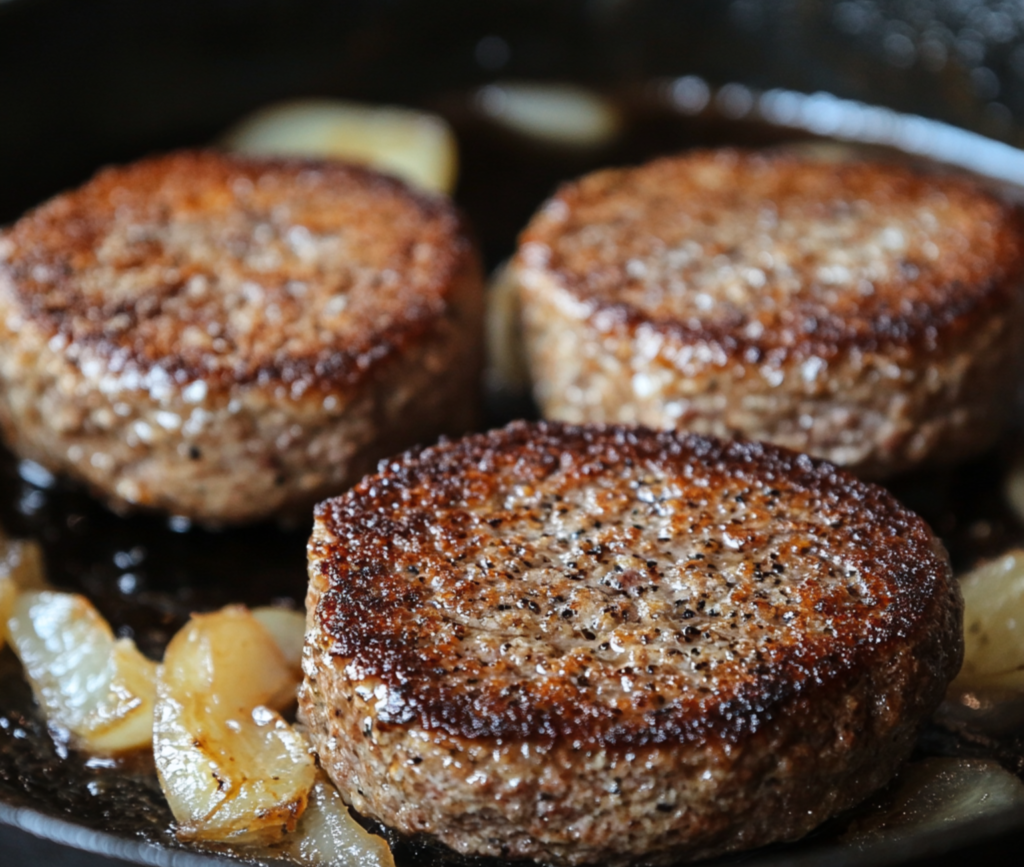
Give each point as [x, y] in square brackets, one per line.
[993, 626]
[21, 568]
[414, 145]
[98, 688]
[507, 369]
[230, 767]
[555, 114]
[288, 629]
[1013, 486]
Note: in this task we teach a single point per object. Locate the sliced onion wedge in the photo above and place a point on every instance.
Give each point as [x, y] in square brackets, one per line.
[21, 568]
[230, 767]
[327, 834]
[414, 145]
[993, 626]
[288, 629]
[555, 114]
[98, 688]
[507, 369]
[1013, 486]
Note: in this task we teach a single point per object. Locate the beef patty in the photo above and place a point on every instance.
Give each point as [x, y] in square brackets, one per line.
[231, 338]
[865, 313]
[609, 644]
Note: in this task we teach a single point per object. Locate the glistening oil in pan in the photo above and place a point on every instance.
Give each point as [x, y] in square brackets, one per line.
[146, 574]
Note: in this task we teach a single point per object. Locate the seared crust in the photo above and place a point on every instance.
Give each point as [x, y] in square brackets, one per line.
[866, 313]
[283, 299]
[596, 644]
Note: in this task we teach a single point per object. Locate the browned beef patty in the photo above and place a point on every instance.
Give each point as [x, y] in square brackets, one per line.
[609, 644]
[865, 313]
[231, 338]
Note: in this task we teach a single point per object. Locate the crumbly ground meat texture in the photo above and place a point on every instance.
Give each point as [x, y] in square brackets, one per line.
[865, 313]
[231, 338]
[613, 645]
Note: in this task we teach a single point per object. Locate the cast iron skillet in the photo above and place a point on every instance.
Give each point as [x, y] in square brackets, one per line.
[80, 87]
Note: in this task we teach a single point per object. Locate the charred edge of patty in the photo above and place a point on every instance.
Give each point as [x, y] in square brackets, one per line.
[62, 231]
[921, 327]
[366, 614]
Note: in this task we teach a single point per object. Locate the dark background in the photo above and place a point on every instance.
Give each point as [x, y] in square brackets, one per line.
[84, 82]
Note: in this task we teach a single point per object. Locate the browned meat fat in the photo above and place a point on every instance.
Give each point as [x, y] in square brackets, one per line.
[868, 314]
[230, 339]
[612, 645]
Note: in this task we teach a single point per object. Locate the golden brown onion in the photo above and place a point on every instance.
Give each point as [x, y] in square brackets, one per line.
[414, 145]
[230, 767]
[993, 626]
[98, 688]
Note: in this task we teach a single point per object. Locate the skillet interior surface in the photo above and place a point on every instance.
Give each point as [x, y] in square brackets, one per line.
[80, 88]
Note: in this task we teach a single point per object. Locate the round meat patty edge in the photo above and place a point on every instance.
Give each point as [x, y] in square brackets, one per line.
[571, 764]
[169, 332]
[890, 338]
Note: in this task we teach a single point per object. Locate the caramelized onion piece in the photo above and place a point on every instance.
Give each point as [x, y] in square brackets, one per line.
[100, 689]
[555, 114]
[507, 370]
[414, 145]
[993, 626]
[327, 834]
[230, 767]
[288, 629]
[21, 568]
[1013, 487]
